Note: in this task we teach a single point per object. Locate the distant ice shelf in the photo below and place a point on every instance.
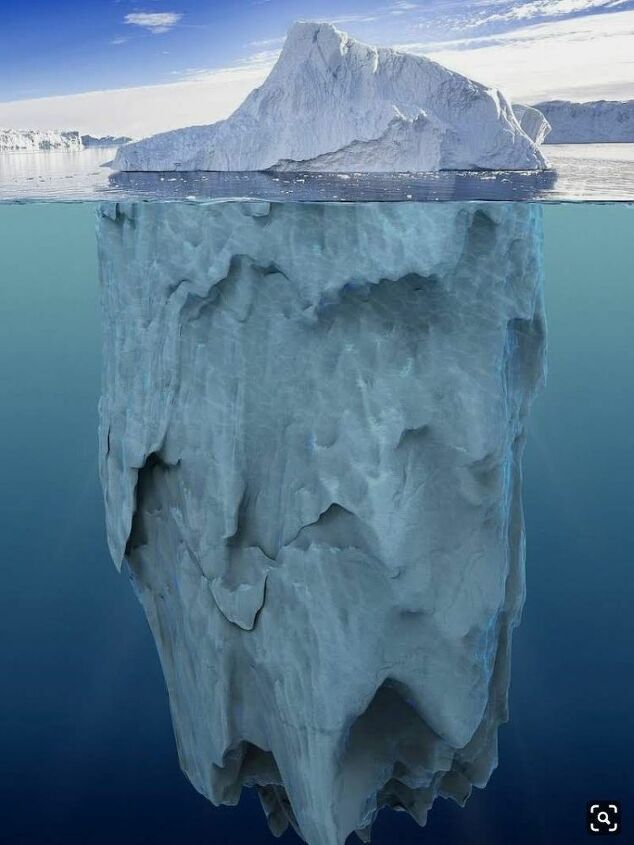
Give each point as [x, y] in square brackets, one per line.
[602, 121]
[311, 433]
[334, 104]
[32, 140]
[29, 140]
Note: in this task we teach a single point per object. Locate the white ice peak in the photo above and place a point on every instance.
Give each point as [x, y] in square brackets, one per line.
[334, 104]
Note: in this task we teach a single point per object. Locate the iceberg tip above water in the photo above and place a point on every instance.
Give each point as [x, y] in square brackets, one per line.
[334, 104]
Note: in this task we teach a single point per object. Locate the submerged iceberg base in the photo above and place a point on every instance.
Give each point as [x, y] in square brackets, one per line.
[311, 432]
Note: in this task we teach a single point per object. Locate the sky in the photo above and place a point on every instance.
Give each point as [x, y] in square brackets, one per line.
[140, 67]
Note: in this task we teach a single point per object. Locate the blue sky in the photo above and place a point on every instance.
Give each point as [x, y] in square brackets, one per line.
[52, 47]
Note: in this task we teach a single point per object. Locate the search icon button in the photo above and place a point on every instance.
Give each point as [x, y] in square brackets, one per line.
[603, 818]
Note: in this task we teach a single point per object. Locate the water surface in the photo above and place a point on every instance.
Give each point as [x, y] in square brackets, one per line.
[581, 172]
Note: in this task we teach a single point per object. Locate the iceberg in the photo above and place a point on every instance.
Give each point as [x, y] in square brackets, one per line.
[105, 140]
[311, 431]
[30, 140]
[334, 104]
[602, 121]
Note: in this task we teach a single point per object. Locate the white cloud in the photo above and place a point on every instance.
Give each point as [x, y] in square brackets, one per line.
[578, 59]
[259, 63]
[204, 97]
[362, 18]
[379, 13]
[268, 42]
[589, 57]
[154, 22]
[503, 11]
[399, 6]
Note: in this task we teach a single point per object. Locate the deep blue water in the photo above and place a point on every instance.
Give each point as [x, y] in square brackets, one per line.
[86, 743]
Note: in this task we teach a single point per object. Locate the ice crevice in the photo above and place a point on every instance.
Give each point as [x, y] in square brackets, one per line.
[240, 592]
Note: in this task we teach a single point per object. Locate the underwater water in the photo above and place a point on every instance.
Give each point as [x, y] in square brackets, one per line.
[87, 743]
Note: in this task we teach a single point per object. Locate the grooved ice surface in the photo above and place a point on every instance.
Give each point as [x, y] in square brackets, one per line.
[29, 140]
[310, 439]
[334, 104]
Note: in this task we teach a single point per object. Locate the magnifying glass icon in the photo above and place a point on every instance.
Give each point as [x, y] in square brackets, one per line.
[603, 817]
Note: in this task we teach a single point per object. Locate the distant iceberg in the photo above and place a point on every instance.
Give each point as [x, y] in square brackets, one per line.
[30, 140]
[334, 104]
[33, 140]
[105, 140]
[602, 121]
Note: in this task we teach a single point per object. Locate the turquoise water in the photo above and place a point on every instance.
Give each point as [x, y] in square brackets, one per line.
[87, 746]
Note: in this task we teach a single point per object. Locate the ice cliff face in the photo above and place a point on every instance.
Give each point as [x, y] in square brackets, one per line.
[334, 104]
[311, 431]
[532, 122]
[29, 140]
[606, 121]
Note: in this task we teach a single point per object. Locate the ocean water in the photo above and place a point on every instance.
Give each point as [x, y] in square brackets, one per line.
[578, 172]
[85, 735]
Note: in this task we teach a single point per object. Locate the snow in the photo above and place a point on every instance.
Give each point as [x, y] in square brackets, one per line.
[333, 103]
[28, 140]
[311, 432]
[602, 121]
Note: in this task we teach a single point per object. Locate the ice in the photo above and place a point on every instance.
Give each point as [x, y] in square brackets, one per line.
[532, 122]
[311, 431]
[104, 141]
[602, 121]
[32, 139]
[334, 104]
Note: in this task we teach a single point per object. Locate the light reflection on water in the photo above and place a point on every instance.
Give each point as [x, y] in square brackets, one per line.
[581, 172]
